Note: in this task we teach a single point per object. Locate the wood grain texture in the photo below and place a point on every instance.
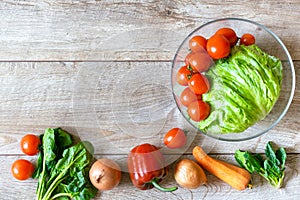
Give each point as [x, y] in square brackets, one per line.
[101, 70]
[126, 30]
[216, 189]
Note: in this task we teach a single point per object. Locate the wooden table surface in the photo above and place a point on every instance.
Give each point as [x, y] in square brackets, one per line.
[101, 70]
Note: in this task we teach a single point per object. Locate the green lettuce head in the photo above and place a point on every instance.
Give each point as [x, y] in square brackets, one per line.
[244, 88]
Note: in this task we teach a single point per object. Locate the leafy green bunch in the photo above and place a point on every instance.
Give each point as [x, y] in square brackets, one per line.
[62, 168]
[272, 168]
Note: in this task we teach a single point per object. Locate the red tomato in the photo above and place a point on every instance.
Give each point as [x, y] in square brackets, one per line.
[175, 138]
[218, 46]
[247, 39]
[30, 144]
[22, 169]
[183, 75]
[198, 110]
[199, 61]
[186, 61]
[229, 34]
[187, 97]
[199, 84]
[197, 43]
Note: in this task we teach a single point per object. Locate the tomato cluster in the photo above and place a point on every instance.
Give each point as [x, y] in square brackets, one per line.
[219, 45]
[201, 57]
[23, 169]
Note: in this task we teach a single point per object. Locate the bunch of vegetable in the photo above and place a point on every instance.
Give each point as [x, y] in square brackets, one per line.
[272, 168]
[198, 62]
[246, 84]
[230, 83]
[63, 168]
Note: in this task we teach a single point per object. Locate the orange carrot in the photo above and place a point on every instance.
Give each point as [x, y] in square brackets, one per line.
[236, 177]
[237, 169]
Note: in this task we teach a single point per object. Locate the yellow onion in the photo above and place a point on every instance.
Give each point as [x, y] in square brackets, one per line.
[189, 174]
[105, 174]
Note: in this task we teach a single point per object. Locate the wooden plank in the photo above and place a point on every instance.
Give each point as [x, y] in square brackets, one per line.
[113, 104]
[126, 30]
[216, 189]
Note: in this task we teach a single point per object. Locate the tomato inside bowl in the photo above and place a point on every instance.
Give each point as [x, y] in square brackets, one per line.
[268, 42]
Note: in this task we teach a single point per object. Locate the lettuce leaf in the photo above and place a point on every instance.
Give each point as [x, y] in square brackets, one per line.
[244, 88]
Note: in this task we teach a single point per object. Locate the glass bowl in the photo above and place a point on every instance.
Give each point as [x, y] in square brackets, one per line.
[268, 42]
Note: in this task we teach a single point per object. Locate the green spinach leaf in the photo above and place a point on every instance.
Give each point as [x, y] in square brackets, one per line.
[272, 168]
[248, 161]
[62, 168]
[271, 154]
[281, 156]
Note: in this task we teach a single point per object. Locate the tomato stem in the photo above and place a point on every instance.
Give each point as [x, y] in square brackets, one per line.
[154, 182]
[190, 68]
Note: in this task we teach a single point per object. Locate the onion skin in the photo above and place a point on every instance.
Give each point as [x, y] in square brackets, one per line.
[189, 174]
[105, 174]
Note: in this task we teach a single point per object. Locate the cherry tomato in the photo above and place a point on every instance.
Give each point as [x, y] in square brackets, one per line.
[198, 110]
[247, 39]
[199, 84]
[229, 34]
[187, 97]
[199, 61]
[175, 138]
[187, 58]
[183, 75]
[22, 169]
[197, 43]
[218, 46]
[30, 144]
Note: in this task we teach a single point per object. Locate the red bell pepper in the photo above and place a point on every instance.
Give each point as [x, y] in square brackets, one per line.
[146, 167]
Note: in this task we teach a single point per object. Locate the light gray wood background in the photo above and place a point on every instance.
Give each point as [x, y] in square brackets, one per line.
[101, 70]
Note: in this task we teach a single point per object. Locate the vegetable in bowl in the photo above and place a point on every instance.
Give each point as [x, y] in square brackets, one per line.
[241, 38]
[244, 88]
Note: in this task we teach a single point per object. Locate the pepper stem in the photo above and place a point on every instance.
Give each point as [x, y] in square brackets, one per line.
[155, 184]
